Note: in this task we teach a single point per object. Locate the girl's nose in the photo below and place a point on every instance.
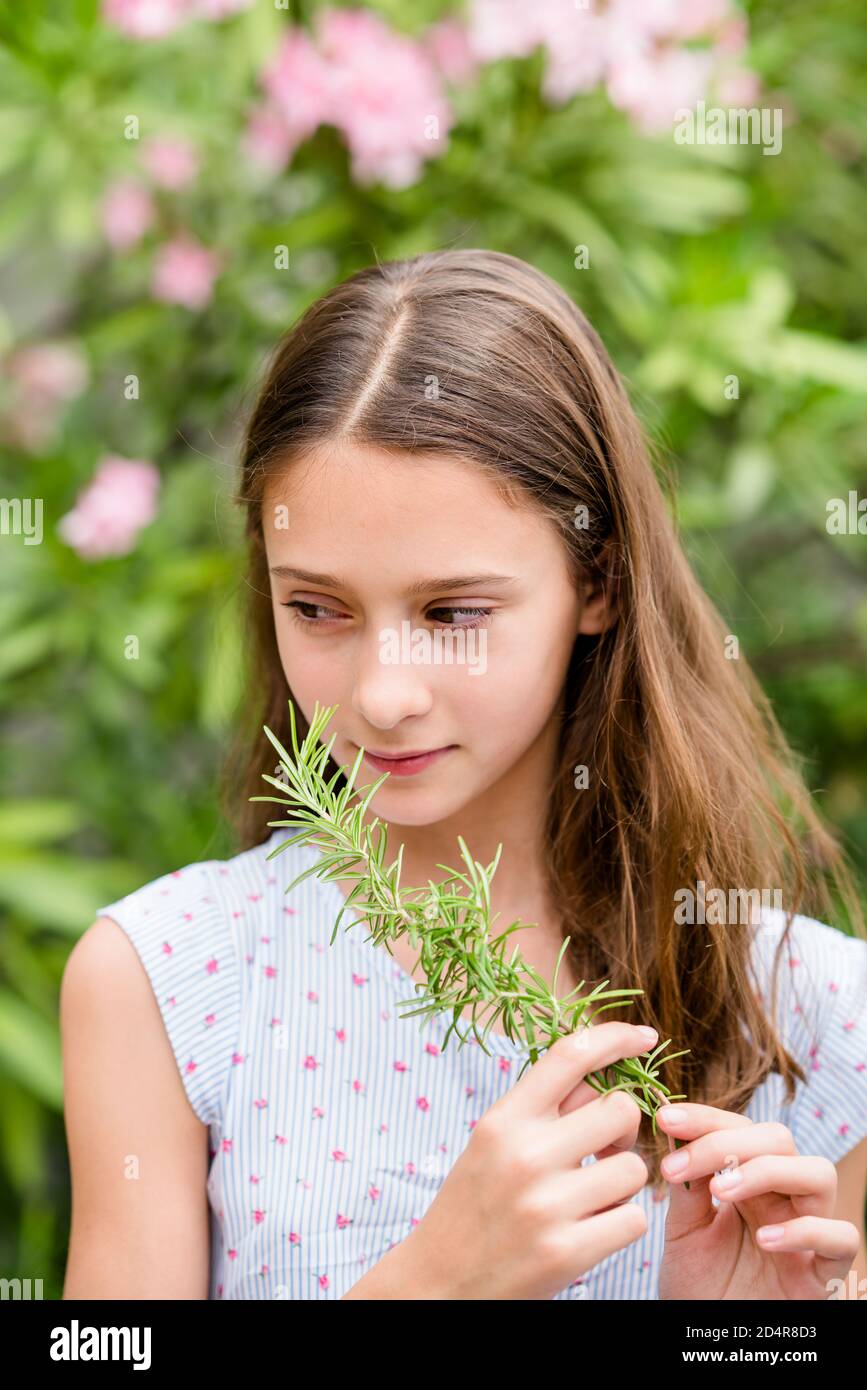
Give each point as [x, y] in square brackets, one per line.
[387, 686]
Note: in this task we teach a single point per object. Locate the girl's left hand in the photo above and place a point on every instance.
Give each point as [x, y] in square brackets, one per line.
[723, 1252]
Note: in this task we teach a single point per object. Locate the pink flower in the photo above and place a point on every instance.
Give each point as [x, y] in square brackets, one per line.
[47, 374]
[267, 142]
[154, 19]
[577, 55]
[108, 515]
[449, 45]
[126, 213]
[184, 273]
[732, 36]
[738, 87]
[147, 19]
[220, 9]
[336, 78]
[504, 28]
[670, 19]
[651, 89]
[391, 127]
[633, 46]
[693, 18]
[298, 83]
[172, 163]
[655, 18]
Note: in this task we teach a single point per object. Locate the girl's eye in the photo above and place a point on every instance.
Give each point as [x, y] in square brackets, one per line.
[304, 618]
[479, 614]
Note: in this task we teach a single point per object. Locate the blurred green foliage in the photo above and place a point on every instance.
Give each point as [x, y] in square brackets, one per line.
[705, 262]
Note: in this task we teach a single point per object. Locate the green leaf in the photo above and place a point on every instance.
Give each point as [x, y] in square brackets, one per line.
[30, 1049]
[34, 822]
[61, 891]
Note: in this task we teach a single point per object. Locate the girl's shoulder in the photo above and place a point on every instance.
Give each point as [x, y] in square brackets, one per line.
[812, 979]
[193, 929]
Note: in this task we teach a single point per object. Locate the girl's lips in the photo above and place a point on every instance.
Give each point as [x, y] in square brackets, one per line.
[406, 767]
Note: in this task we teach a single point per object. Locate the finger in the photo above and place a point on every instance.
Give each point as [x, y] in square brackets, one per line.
[589, 1049]
[726, 1147]
[584, 1092]
[835, 1243]
[689, 1120]
[686, 1121]
[690, 1195]
[811, 1182]
[610, 1123]
[599, 1236]
[597, 1187]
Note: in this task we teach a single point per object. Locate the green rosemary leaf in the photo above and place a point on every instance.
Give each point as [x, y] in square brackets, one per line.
[451, 921]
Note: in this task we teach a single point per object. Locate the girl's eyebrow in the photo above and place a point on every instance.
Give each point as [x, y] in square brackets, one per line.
[421, 586]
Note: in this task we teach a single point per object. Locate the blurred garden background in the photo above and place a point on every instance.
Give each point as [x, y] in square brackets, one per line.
[179, 179]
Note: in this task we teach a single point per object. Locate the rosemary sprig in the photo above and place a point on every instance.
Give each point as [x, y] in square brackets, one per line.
[449, 921]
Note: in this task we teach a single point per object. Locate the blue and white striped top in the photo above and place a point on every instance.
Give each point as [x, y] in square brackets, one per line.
[333, 1121]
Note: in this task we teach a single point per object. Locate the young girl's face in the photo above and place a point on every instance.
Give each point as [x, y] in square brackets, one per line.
[394, 550]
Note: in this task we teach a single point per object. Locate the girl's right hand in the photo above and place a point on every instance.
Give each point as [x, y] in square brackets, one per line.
[517, 1217]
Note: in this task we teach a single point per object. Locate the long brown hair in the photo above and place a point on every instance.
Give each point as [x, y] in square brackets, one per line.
[477, 355]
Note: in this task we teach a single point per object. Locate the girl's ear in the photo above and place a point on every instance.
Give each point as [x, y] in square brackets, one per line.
[598, 606]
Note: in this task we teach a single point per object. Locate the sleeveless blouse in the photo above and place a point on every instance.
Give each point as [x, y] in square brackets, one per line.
[333, 1121]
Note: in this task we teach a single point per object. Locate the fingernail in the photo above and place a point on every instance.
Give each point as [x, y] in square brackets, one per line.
[672, 1114]
[649, 1033]
[769, 1235]
[673, 1164]
[729, 1179]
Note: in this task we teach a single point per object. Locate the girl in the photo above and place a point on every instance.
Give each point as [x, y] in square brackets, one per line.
[443, 443]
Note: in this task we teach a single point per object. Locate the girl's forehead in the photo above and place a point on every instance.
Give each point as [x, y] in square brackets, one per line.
[363, 480]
